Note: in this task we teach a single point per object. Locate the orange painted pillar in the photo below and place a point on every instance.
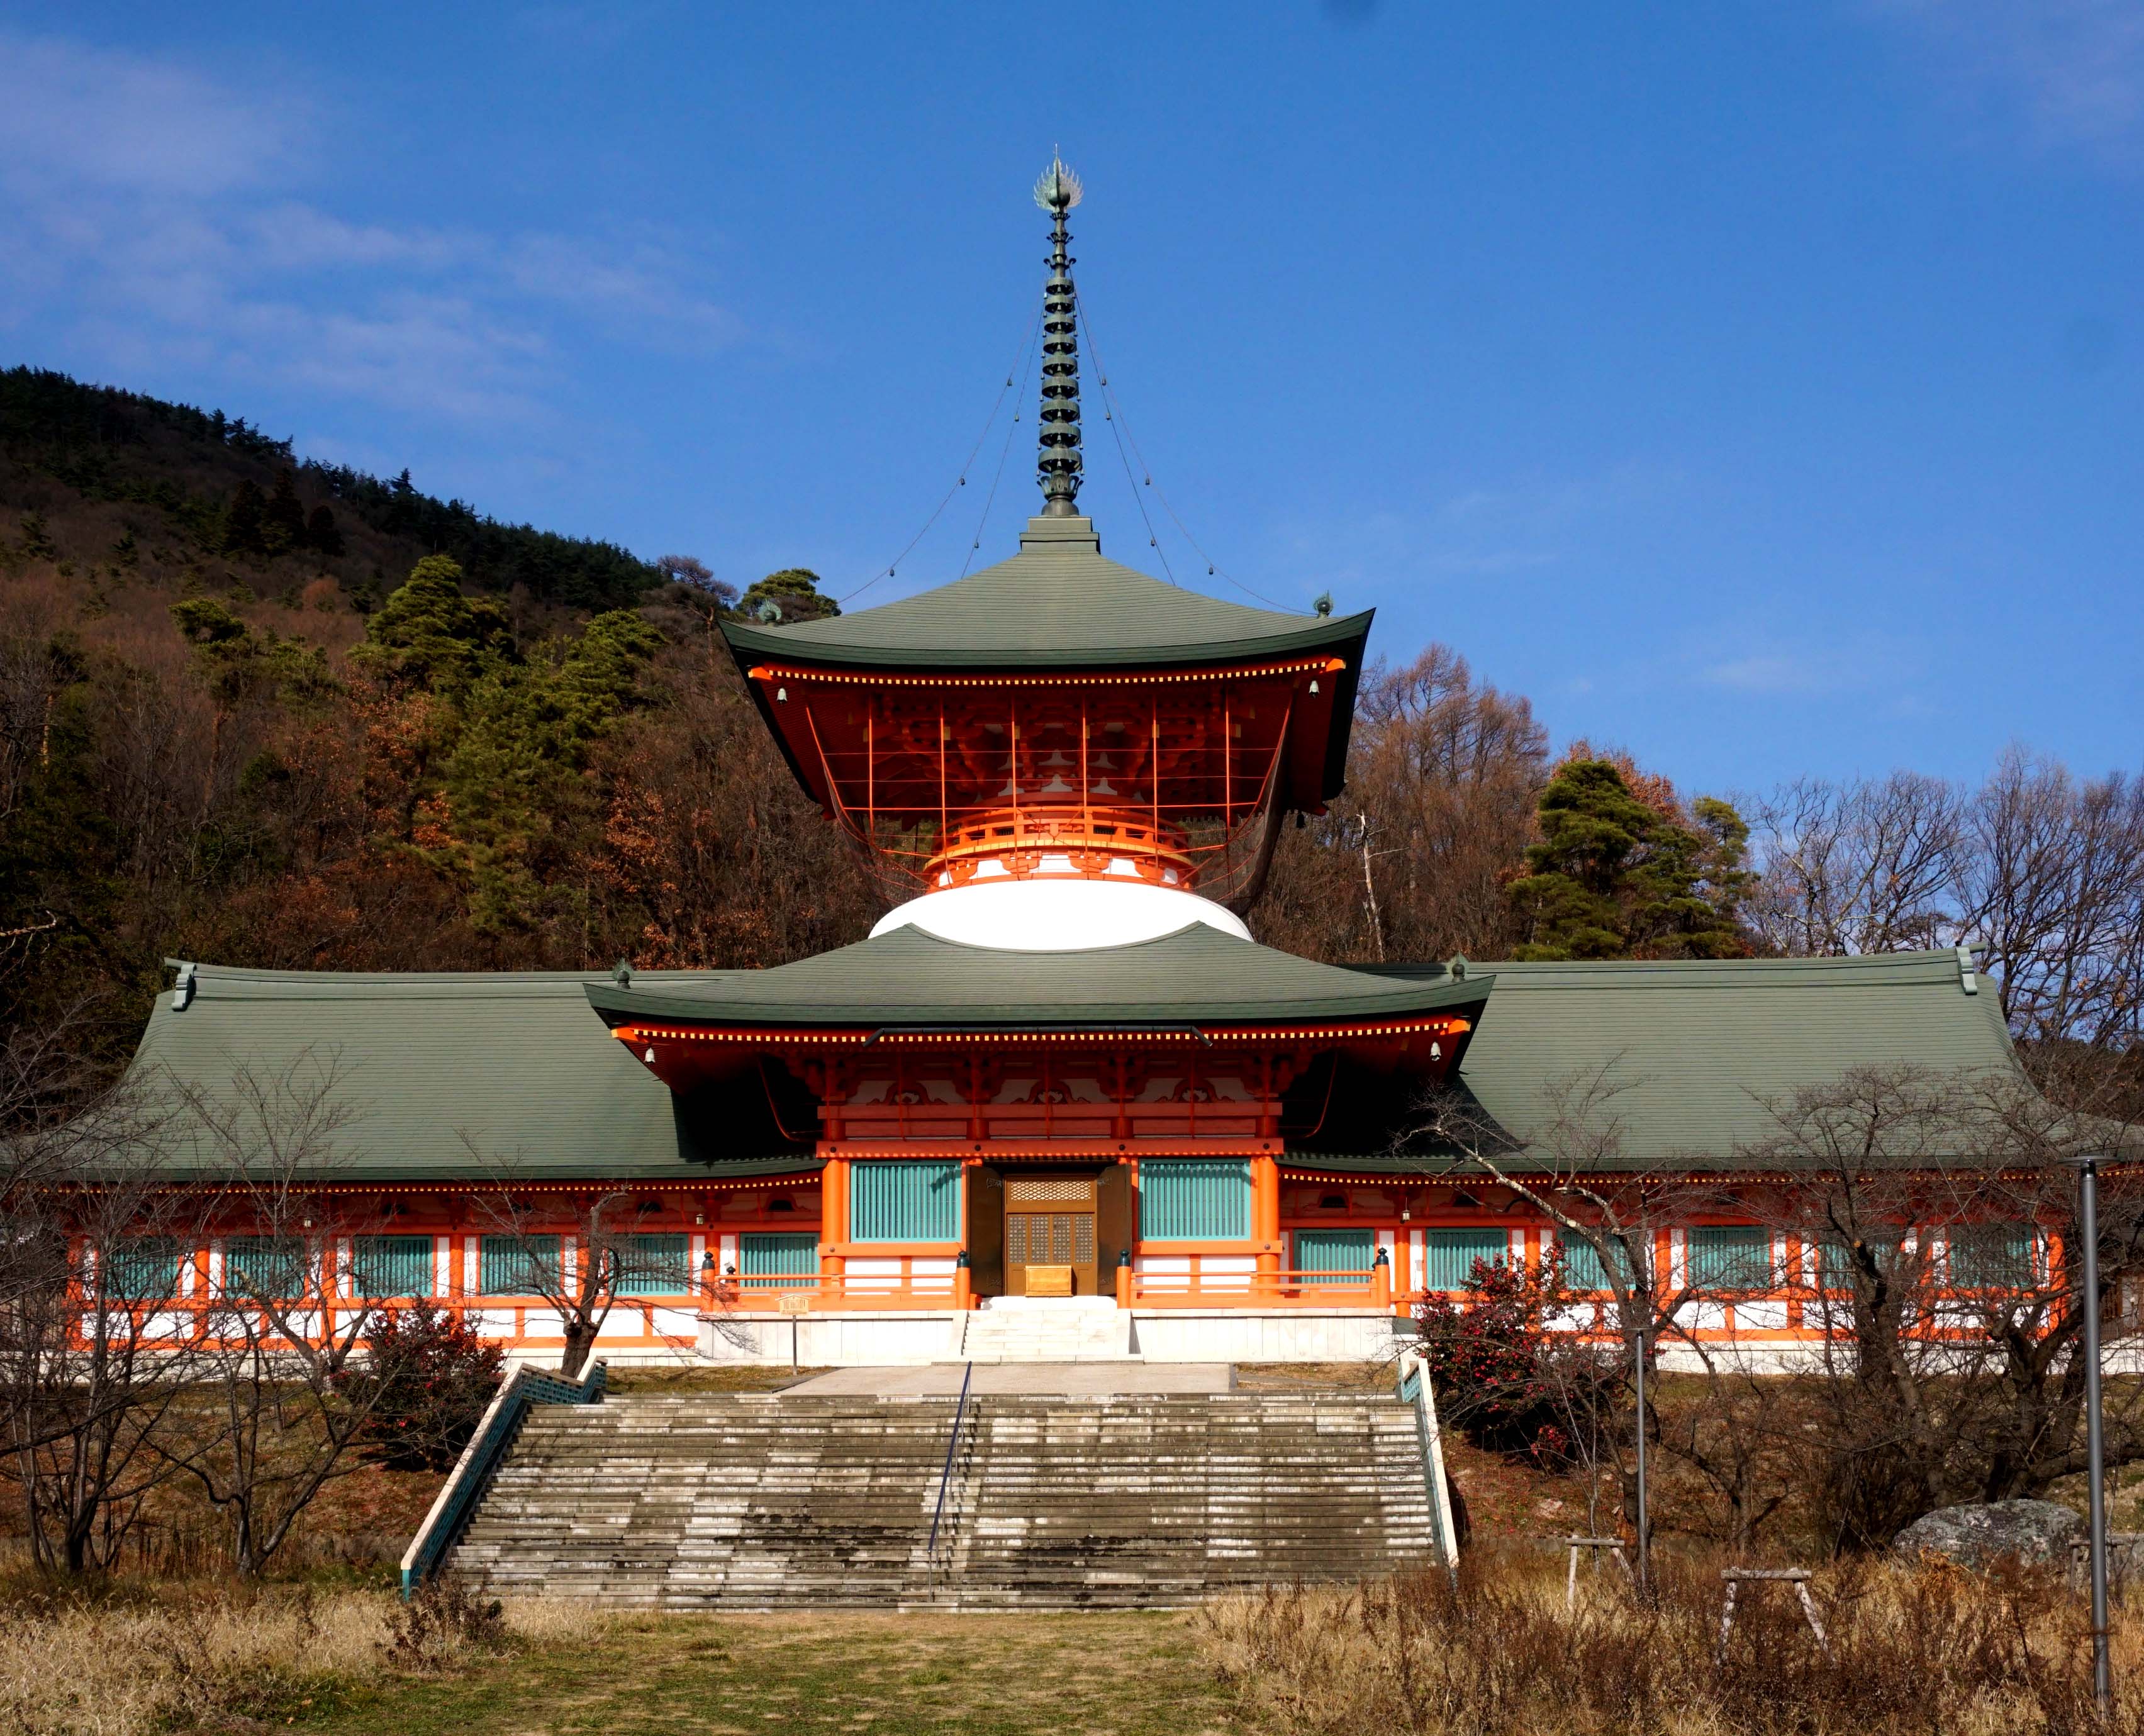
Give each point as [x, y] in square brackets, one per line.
[963, 1283]
[1123, 1287]
[833, 1225]
[1265, 1223]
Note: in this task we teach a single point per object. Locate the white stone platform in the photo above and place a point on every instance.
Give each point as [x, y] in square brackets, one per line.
[1065, 1380]
[917, 1337]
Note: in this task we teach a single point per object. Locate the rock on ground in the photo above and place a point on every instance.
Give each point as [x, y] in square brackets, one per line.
[2038, 1532]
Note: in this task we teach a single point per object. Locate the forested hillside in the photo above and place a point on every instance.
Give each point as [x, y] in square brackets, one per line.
[97, 477]
[269, 712]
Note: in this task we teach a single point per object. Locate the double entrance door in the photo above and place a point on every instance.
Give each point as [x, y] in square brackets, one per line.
[1050, 1247]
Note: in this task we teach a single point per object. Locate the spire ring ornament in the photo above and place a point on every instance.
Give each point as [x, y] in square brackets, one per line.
[1057, 462]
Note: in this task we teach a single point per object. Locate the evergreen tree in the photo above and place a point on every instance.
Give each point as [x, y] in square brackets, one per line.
[323, 534]
[1613, 877]
[283, 521]
[243, 520]
[792, 594]
[428, 635]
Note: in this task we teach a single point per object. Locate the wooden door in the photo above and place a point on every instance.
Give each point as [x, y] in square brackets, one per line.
[1049, 1223]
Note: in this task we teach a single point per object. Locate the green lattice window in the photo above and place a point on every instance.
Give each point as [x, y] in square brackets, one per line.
[1731, 1257]
[1335, 1257]
[391, 1265]
[770, 1261]
[1989, 1256]
[1194, 1199]
[1448, 1256]
[271, 1267]
[655, 1265]
[143, 1268]
[1583, 1269]
[519, 1266]
[903, 1200]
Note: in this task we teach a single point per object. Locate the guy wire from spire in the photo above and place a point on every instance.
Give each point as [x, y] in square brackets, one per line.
[961, 480]
[1113, 413]
[1058, 462]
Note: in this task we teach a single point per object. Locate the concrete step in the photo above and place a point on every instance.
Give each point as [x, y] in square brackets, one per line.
[756, 1500]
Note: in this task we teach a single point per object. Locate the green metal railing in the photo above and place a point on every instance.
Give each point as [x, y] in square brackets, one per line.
[1414, 1389]
[480, 1459]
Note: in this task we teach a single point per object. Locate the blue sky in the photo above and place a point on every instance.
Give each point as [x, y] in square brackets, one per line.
[1757, 385]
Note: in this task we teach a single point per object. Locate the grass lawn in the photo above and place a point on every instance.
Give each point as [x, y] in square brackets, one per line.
[655, 1675]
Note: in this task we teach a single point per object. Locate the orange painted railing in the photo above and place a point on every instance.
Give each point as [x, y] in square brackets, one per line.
[1199, 1288]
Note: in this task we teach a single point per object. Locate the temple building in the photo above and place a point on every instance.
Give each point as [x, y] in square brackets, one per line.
[1059, 1079]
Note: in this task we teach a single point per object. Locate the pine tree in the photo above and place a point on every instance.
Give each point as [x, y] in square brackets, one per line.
[243, 519]
[792, 594]
[323, 534]
[283, 521]
[1614, 877]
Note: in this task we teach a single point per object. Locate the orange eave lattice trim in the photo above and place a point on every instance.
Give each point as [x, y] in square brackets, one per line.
[722, 1033]
[1066, 678]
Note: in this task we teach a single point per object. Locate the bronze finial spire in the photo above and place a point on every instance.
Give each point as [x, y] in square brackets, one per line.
[1058, 464]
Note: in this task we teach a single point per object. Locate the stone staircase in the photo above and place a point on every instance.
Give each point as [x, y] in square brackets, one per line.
[1043, 1329]
[764, 1501]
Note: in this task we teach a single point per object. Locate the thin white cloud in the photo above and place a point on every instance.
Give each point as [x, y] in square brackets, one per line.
[100, 117]
[1811, 670]
[155, 213]
[2069, 72]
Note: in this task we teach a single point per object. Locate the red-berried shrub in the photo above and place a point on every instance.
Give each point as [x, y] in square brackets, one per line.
[1502, 1376]
[427, 1382]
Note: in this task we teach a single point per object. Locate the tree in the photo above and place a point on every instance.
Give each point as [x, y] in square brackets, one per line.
[283, 520]
[434, 1373]
[792, 594]
[429, 636]
[1609, 1211]
[279, 1417]
[322, 533]
[695, 576]
[581, 1275]
[1935, 1212]
[94, 1361]
[243, 521]
[1444, 773]
[1613, 877]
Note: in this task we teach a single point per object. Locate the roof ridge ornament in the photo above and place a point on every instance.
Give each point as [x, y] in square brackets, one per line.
[1058, 462]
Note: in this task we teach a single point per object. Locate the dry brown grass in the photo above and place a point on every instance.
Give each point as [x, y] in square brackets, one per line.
[1921, 1652]
[132, 1659]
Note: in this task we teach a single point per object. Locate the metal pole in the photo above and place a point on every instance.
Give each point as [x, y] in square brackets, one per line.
[2102, 1673]
[1644, 1553]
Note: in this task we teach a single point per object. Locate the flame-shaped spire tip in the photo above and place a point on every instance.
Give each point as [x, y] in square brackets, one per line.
[1058, 190]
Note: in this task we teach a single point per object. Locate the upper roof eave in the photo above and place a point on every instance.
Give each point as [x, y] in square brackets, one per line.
[753, 644]
[909, 979]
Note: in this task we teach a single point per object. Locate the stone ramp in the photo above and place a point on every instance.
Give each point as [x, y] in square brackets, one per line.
[769, 1501]
[1024, 1329]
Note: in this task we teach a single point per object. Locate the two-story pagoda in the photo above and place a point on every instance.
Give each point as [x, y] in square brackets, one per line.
[1059, 1074]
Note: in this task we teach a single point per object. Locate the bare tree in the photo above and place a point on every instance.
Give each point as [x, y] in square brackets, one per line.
[1606, 1205]
[579, 1274]
[1443, 777]
[96, 1338]
[1935, 1214]
[276, 1415]
[2050, 877]
[1864, 866]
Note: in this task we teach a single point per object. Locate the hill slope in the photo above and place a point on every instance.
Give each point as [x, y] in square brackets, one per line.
[92, 475]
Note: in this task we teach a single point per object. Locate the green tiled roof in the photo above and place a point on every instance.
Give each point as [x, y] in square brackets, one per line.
[908, 978]
[1056, 604]
[435, 1069]
[441, 1076]
[1692, 1050]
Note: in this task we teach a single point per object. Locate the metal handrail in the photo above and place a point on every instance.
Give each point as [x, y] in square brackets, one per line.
[945, 1477]
[465, 1487]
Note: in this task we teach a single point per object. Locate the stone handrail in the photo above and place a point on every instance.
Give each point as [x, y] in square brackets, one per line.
[480, 1459]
